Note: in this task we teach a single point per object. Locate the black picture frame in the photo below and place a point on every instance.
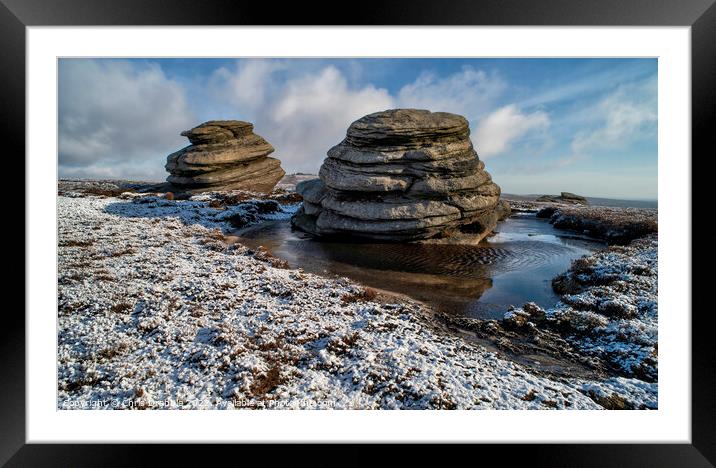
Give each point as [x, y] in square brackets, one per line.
[700, 15]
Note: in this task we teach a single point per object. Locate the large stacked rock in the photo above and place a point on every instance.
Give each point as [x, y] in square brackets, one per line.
[402, 175]
[224, 155]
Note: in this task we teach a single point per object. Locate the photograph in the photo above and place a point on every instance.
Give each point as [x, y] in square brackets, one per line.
[357, 233]
[426, 224]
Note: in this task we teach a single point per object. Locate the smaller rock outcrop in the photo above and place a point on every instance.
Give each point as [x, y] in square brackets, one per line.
[564, 197]
[224, 155]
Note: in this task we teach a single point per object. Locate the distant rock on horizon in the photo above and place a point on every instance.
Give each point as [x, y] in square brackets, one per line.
[564, 197]
[224, 155]
[289, 181]
[402, 175]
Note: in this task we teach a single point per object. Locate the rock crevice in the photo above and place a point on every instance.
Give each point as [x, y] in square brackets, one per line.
[402, 175]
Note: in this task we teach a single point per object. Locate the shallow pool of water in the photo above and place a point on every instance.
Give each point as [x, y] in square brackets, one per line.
[513, 267]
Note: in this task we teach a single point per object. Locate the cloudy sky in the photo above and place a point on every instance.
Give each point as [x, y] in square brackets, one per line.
[542, 125]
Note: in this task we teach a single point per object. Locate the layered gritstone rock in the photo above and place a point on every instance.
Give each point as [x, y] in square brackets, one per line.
[402, 175]
[224, 155]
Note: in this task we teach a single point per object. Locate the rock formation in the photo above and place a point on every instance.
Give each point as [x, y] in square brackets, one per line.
[402, 175]
[224, 155]
[564, 197]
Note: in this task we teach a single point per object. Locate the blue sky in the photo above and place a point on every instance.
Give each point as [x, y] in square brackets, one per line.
[542, 125]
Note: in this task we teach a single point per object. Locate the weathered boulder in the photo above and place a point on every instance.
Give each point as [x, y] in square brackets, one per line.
[402, 175]
[224, 155]
[564, 197]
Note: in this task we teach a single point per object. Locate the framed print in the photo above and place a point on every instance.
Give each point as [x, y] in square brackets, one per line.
[241, 230]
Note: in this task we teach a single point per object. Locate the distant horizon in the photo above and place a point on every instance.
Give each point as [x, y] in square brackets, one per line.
[615, 198]
[542, 126]
[585, 196]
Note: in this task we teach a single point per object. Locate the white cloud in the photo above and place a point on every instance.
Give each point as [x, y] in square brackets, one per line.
[302, 115]
[499, 130]
[626, 115]
[151, 169]
[116, 112]
[247, 85]
[313, 112]
[474, 94]
[584, 82]
[469, 92]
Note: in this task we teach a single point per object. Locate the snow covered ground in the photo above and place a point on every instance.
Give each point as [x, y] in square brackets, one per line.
[158, 308]
[610, 307]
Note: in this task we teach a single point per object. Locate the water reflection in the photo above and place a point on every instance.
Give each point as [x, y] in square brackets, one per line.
[512, 267]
